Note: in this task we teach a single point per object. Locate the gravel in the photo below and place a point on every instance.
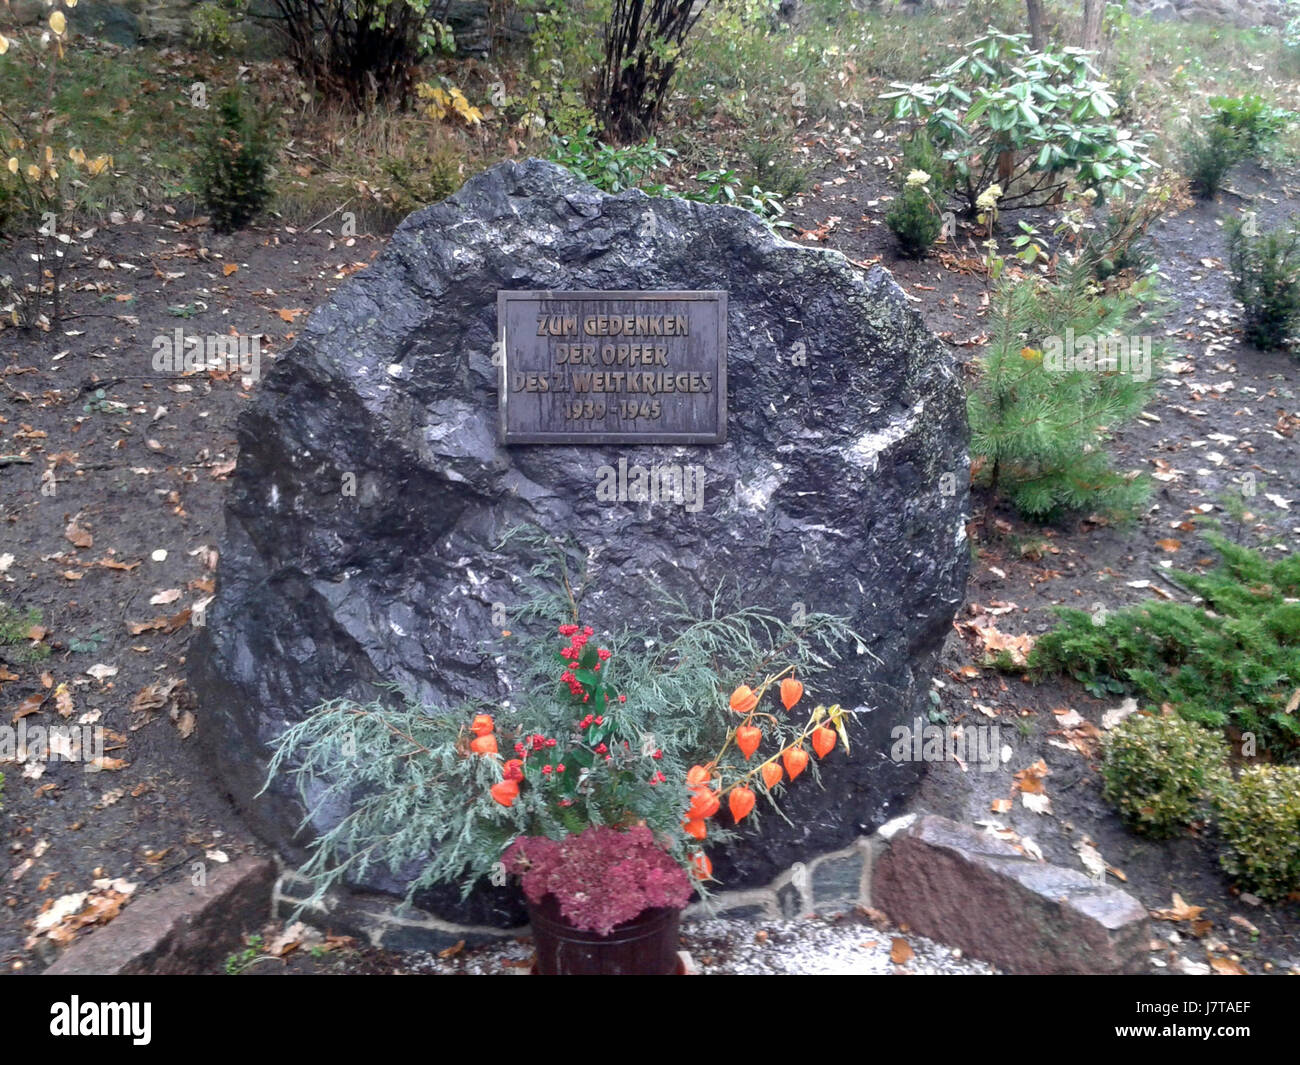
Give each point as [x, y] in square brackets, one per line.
[845, 945]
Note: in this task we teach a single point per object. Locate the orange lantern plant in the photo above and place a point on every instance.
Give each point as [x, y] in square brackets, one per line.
[795, 760]
[748, 738]
[743, 699]
[791, 692]
[702, 866]
[823, 740]
[741, 802]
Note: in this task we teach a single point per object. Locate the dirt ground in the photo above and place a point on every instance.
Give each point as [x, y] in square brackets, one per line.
[1224, 410]
[110, 514]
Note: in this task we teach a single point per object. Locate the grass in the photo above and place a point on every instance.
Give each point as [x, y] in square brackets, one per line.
[743, 78]
[236, 963]
[15, 645]
[129, 103]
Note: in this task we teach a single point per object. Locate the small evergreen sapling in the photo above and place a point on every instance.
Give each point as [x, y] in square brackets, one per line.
[1266, 280]
[1040, 423]
[234, 162]
[915, 217]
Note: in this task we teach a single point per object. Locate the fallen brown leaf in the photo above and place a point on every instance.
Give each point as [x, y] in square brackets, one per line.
[1179, 911]
[78, 536]
[900, 951]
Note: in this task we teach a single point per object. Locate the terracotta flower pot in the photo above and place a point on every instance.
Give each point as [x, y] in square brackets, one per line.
[643, 946]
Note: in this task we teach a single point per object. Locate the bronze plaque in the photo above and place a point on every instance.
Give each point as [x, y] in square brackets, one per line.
[612, 367]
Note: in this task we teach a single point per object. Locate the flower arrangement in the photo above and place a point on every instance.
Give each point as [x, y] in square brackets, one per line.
[600, 779]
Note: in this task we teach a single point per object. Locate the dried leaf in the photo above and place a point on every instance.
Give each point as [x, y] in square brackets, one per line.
[1031, 779]
[78, 536]
[1179, 911]
[1113, 717]
[63, 700]
[900, 951]
[30, 705]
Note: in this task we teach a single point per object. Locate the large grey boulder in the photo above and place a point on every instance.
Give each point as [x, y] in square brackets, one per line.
[842, 486]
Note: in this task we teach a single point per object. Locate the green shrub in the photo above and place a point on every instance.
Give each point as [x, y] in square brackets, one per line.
[1024, 120]
[1266, 280]
[1212, 150]
[611, 168]
[1252, 118]
[234, 160]
[363, 52]
[1038, 420]
[725, 186]
[1119, 244]
[771, 167]
[643, 48]
[1232, 658]
[914, 219]
[425, 177]
[1259, 823]
[217, 25]
[1158, 770]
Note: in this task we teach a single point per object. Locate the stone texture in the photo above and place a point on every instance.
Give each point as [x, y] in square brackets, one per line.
[376, 919]
[791, 902]
[836, 881]
[967, 889]
[1229, 12]
[180, 928]
[842, 486]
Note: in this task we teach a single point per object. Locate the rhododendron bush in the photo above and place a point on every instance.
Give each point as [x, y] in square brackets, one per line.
[664, 742]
